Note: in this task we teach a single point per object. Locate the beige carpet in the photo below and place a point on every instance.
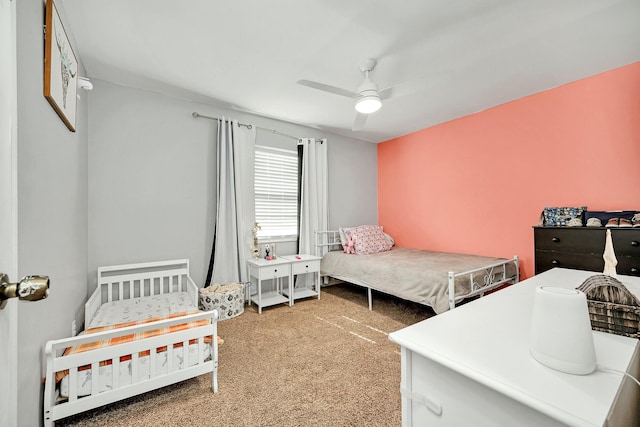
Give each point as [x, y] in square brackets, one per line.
[320, 362]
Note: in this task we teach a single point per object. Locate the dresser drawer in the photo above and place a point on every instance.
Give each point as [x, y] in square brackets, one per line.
[546, 260]
[275, 271]
[629, 266]
[626, 242]
[305, 267]
[569, 239]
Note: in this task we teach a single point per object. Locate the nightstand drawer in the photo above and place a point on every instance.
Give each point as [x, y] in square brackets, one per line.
[302, 267]
[570, 239]
[274, 271]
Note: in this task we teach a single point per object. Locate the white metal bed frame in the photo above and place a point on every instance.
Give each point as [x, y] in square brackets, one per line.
[494, 275]
[123, 282]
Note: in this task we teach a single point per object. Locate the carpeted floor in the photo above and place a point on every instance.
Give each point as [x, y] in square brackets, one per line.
[320, 362]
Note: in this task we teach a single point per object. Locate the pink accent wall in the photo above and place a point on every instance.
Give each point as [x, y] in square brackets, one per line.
[478, 184]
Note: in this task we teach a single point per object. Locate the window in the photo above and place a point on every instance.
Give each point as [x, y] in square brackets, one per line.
[276, 187]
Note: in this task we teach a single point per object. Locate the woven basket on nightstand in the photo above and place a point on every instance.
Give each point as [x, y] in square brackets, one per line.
[612, 308]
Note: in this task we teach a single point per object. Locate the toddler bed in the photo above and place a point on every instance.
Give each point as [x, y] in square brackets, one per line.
[437, 279]
[144, 331]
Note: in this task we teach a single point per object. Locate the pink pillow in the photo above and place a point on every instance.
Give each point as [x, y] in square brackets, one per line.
[370, 239]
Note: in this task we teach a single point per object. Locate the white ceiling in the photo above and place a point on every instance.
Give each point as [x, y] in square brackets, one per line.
[248, 54]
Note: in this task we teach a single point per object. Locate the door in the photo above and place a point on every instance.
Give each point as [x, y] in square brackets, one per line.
[8, 212]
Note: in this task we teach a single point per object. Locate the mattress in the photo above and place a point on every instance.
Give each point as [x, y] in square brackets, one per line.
[415, 275]
[131, 311]
[145, 308]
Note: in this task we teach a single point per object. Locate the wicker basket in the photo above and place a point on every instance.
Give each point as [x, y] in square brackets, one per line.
[228, 299]
[612, 308]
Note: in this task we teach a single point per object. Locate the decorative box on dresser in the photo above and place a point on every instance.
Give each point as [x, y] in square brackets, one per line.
[581, 248]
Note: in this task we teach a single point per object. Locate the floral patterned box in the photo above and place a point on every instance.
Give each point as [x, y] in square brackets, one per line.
[228, 299]
[564, 216]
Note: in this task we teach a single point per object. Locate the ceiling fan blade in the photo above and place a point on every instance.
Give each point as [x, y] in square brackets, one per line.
[414, 86]
[359, 121]
[328, 88]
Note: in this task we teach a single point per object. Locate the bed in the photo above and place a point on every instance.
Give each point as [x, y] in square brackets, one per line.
[143, 332]
[436, 279]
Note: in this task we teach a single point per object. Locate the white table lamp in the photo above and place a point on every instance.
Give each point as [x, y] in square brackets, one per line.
[561, 336]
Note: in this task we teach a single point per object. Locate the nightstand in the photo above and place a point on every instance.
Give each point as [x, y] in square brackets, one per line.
[277, 269]
[304, 264]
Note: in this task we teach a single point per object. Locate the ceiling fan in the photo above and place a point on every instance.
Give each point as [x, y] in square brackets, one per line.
[368, 98]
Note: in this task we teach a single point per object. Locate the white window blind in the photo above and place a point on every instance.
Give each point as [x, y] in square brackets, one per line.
[276, 187]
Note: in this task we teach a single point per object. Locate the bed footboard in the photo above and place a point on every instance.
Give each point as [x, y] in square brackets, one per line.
[56, 408]
[493, 276]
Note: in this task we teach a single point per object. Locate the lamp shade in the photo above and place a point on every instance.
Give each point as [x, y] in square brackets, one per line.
[561, 336]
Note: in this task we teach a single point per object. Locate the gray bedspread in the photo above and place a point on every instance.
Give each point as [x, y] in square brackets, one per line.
[415, 275]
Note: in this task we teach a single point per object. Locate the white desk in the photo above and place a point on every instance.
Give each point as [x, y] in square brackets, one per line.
[471, 366]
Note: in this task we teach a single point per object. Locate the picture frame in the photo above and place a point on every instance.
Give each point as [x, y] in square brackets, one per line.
[60, 68]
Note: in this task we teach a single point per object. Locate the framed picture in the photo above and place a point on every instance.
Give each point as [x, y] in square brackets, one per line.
[60, 68]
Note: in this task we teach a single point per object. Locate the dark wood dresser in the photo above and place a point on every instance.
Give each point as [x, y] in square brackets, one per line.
[581, 248]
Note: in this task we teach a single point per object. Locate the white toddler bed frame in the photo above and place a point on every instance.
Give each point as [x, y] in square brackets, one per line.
[329, 240]
[118, 283]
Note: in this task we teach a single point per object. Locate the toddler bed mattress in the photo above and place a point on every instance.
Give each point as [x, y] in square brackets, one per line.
[145, 308]
[127, 313]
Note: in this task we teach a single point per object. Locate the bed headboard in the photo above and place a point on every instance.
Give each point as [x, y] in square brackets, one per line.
[119, 282]
[327, 241]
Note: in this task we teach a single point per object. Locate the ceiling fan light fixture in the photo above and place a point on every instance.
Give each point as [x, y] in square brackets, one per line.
[368, 104]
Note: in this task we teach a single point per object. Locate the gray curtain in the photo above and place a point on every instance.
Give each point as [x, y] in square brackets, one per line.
[235, 203]
[314, 211]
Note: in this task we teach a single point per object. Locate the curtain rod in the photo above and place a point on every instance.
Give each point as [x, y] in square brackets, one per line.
[196, 115]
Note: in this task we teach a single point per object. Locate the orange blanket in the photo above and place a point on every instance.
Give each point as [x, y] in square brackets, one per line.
[133, 337]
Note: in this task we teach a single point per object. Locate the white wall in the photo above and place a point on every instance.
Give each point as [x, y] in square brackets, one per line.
[52, 212]
[152, 177]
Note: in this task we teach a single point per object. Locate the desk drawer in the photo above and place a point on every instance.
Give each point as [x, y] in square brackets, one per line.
[302, 267]
[275, 271]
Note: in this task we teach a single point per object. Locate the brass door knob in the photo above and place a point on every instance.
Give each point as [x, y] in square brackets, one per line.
[30, 288]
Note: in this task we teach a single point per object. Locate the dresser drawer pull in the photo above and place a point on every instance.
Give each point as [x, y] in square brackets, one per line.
[555, 239]
[432, 404]
[635, 270]
[555, 262]
[635, 243]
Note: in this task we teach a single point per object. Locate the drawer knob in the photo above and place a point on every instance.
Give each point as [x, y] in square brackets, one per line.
[635, 243]
[555, 262]
[306, 266]
[635, 270]
[555, 239]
